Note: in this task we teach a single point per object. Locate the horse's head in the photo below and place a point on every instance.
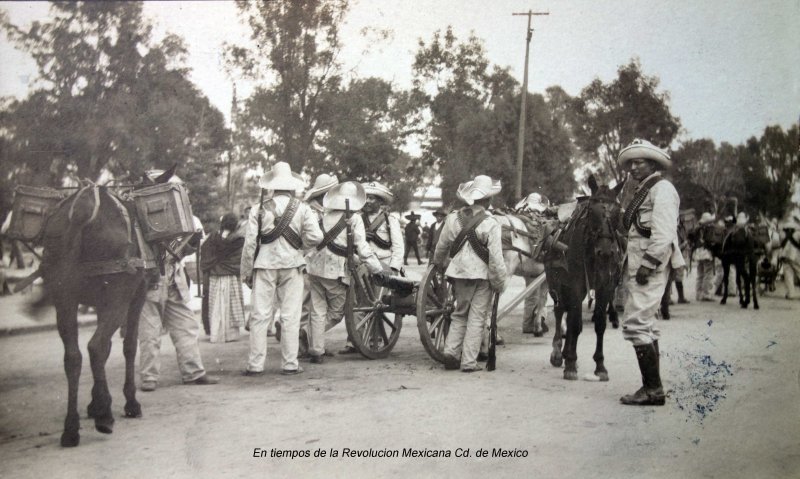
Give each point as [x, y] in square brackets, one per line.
[604, 220]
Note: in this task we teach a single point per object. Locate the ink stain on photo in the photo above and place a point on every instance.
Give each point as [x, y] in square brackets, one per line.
[702, 386]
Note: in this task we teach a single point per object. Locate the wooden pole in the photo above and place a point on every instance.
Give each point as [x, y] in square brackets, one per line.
[521, 137]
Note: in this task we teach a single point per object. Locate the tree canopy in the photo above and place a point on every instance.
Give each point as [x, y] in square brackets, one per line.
[108, 100]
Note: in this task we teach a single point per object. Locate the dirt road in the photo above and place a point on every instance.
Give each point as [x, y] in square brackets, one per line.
[733, 378]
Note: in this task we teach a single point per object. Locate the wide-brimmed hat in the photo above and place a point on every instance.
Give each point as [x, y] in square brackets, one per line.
[440, 213]
[281, 177]
[153, 174]
[706, 218]
[322, 184]
[377, 189]
[349, 190]
[643, 149]
[479, 188]
[413, 216]
[534, 202]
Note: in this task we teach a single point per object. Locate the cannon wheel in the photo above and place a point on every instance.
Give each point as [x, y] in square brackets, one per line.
[371, 326]
[435, 302]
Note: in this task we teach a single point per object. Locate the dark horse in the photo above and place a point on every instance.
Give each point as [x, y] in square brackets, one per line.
[738, 248]
[592, 260]
[91, 257]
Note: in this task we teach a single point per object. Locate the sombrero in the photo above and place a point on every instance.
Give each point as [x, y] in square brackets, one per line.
[376, 189]
[281, 177]
[643, 149]
[706, 218]
[534, 202]
[479, 188]
[440, 213]
[413, 216]
[322, 184]
[349, 190]
[153, 174]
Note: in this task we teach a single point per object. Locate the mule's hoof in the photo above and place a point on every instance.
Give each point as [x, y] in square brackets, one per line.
[570, 375]
[723, 301]
[133, 409]
[538, 334]
[615, 324]
[104, 425]
[69, 439]
[601, 376]
[756, 307]
[556, 361]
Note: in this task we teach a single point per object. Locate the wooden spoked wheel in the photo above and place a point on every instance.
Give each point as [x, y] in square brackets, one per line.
[435, 303]
[371, 325]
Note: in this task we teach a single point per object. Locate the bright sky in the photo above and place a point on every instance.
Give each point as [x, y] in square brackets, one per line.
[732, 67]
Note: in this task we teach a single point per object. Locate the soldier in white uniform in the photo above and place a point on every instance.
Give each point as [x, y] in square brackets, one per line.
[537, 305]
[167, 308]
[327, 266]
[789, 255]
[652, 221]
[276, 273]
[384, 233]
[476, 267]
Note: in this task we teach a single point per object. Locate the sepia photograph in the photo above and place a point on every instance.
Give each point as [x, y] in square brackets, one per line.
[420, 238]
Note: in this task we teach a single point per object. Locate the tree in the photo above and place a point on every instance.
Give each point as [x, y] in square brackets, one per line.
[704, 173]
[297, 43]
[770, 169]
[607, 117]
[473, 111]
[108, 100]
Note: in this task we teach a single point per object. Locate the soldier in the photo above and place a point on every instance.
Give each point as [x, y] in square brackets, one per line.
[536, 308]
[166, 307]
[273, 263]
[789, 254]
[384, 234]
[433, 234]
[652, 221]
[327, 265]
[704, 259]
[471, 242]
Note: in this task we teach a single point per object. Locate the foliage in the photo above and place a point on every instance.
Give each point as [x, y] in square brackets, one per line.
[607, 117]
[770, 168]
[108, 100]
[704, 174]
[473, 114]
[294, 60]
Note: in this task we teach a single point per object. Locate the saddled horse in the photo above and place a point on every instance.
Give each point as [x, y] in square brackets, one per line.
[739, 249]
[92, 257]
[592, 259]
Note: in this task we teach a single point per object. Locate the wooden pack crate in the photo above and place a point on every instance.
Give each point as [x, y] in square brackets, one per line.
[164, 211]
[30, 209]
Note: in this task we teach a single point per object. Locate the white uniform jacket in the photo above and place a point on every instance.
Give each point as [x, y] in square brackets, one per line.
[389, 231]
[659, 212]
[279, 254]
[467, 264]
[326, 264]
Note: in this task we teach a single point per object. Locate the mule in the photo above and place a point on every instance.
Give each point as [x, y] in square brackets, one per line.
[739, 249]
[595, 247]
[91, 256]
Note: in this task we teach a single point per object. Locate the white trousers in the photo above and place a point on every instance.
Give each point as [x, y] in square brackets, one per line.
[326, 310]
[639, 320]
[472, 309]
[275, 289]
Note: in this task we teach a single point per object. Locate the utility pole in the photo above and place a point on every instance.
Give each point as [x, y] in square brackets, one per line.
[234, 111]
[521, 139]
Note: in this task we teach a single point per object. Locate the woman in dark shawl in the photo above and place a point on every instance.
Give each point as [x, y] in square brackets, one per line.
[220, 258]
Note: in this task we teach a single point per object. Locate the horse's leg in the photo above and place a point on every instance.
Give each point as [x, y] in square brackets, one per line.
[603, 299]
[558, 311]
[574, 327]
[67, 322]
[754, 280]
[726, 269]
[613, 315]
[108, 314]
[129, 345]
[740, 279]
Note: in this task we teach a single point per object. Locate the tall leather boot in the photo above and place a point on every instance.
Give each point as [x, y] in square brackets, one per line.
[681, 298]
[651, 393]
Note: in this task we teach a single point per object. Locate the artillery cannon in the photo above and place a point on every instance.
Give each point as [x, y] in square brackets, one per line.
[376, 305]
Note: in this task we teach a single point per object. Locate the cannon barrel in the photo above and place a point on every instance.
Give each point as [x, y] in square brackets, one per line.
[398, 284]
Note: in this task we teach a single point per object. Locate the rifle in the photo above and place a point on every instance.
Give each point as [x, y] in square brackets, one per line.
[198, 272]
[351, 267]
[258, 235]
[492, 360]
